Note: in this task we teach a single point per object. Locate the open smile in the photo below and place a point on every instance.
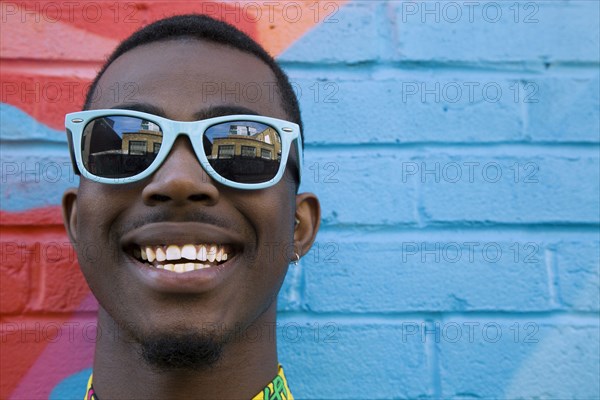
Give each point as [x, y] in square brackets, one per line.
[186, 258]
[182, 257]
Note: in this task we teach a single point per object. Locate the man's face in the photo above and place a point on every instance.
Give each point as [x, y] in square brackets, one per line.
[179, 204]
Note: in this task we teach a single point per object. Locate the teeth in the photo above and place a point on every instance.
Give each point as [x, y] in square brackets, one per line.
[188, 267]
[188, 251]
[160, 254]
[173, 252]
[181, 268]
[150, 253]
[212, 253]
[203, 252]
[201, 256]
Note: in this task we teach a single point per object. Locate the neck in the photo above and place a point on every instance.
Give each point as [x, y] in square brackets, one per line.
[247, 364]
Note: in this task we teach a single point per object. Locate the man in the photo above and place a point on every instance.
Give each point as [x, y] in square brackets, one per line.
[184, 230]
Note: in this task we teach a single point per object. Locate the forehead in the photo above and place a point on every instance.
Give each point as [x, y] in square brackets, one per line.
[186, 76]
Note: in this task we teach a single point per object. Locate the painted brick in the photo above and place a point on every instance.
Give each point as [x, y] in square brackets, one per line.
[352, 361]
[67, 344]
[548, 190]
[14, 277]
[346, 182]
[64, 286]
[35, 178]
[528, 366]
[567, 109]
[490, 33]
[41, 268]
[18, 125]
[577, 265]
[48, 98]
[415, 109]
[408, 273]
[290, 294]
[350, 34]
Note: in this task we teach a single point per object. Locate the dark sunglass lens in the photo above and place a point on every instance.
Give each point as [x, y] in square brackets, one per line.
[243, 151]
[119, 146]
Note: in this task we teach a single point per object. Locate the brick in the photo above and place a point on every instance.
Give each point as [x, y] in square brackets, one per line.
[78, 31]
[547, 189]
[578, 274]
[41, 268]
[14, 276]
[567, 109]
[409, 108]
[64, 286]
[531, 365]
[39, 216]
[18, 125]
[350, 34]
[428, 272]
[365, 358]
[66, 344]
[494, 32]
[26, 174]
[45, 98]
[291, 291]
[345, 183]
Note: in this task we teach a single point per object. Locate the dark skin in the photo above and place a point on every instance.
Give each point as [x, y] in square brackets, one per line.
[181, 197]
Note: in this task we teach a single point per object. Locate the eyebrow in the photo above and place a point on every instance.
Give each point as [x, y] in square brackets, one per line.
[211, 112]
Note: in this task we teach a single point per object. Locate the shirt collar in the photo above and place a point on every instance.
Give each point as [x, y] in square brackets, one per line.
[277, 389]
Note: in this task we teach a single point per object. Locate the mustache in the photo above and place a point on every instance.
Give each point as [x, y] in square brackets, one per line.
[169, 216]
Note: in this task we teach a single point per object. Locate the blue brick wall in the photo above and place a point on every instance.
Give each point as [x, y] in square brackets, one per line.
[457, 163]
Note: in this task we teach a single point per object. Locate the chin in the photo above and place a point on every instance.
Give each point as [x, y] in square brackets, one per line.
[190, 351]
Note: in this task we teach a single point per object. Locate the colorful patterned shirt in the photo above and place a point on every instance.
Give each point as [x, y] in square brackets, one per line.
[277, 389]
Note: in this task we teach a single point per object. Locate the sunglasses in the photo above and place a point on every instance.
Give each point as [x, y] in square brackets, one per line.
[123, 146]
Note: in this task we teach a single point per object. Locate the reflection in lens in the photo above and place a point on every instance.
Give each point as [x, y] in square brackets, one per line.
[119, 147]
[243, 151]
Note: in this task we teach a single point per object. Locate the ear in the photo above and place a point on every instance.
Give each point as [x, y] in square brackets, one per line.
[308, 213]
[69, 213]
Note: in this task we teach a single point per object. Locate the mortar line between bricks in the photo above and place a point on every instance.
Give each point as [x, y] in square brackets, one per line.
[432, 351]
[43, 316]
[426, 67]
[21, 64]
[575, 318]
[551, 270]
[493, 229]
[501, 147]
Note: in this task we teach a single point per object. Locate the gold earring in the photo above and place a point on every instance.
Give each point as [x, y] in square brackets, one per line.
[295, 262]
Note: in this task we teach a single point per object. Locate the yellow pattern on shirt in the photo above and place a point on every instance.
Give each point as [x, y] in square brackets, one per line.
[277, 389]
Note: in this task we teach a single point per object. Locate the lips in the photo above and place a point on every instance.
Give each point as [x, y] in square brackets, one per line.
[177, 256]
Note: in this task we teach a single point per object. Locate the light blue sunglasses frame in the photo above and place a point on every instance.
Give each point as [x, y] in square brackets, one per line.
[289, 132]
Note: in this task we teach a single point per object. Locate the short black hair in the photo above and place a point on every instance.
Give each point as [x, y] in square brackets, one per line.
[206, 28]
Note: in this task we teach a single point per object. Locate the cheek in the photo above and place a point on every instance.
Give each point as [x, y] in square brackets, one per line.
[271, 217]
[97, 208]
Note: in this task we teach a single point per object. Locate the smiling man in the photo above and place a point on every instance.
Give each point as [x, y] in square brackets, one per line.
[187, 214]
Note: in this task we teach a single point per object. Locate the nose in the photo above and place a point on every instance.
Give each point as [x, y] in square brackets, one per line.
[180, 179]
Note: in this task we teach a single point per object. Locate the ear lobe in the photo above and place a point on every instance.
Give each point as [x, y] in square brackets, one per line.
[308, 213]
[69, 213]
